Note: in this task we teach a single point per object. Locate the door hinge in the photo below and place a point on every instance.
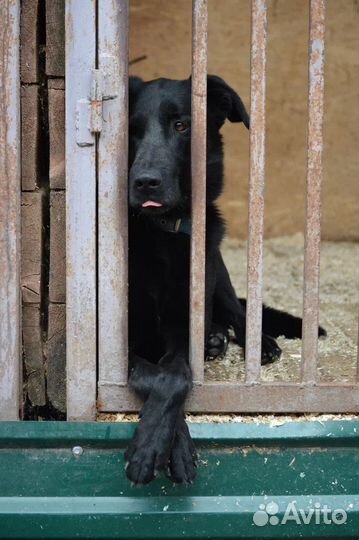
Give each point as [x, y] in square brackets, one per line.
[89, 111]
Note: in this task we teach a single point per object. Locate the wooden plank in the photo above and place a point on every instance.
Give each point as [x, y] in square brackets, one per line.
[248, 398]
[56, 356]
[57, 272]
[29, 137]
[55, 38]
[56, 93]
[80, 212]
[10, 356]
[33, 354]
[29, 41]
[31, 247]
[198, 168]
[112, 194]
[256, 192]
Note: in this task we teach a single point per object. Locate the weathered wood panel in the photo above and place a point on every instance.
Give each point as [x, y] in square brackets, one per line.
[56, 356]
[56, 93]
[29, 41]
[33, 354]
[57, 273]
[9, 210]
[31, 247]
[29, 137]
[55, 37]
[80, 212]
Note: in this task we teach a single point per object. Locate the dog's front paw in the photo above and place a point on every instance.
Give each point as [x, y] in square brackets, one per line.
[217, 343]
[270, 350]
[183, 458]
[145, 458]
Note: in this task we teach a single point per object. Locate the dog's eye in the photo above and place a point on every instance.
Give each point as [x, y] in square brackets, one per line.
[181, 126]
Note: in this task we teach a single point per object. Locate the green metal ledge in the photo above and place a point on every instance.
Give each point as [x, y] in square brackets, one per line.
[297, 480]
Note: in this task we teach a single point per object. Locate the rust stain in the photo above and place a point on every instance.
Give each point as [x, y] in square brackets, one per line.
[9, 209]
[256, 191]
[198, 163]
[313, 198]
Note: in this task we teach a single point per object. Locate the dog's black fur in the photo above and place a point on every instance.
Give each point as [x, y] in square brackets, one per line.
[159, 261]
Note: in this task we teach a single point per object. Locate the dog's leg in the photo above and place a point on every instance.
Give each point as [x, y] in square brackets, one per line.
[181, 467]
[230, 312]
[150, 449]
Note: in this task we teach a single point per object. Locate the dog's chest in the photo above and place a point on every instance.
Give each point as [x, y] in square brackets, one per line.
[160, 263]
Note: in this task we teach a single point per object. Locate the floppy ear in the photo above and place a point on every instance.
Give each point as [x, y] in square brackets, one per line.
[224, 102]
[134, 86]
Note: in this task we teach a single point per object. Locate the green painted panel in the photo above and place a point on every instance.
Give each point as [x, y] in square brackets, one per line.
[48, 492]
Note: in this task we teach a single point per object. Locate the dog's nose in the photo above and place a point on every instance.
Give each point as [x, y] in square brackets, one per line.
[147, 183]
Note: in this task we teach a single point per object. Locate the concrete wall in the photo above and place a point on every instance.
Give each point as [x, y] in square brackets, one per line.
[161, 30]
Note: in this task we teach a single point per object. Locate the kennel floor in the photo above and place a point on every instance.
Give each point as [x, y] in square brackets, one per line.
[282, 289]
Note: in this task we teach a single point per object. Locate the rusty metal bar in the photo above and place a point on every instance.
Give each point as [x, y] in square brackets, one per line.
[313, 200]
[198, 162]
[256, 192]
[112, 193]
[10, 331]
[249, 398]
[81, 121]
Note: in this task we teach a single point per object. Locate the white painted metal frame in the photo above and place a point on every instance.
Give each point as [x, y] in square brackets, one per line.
[10, 303]
[80, 211]
[112, 194]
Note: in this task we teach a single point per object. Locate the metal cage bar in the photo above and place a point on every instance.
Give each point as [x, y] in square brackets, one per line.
[81, 209]
[10, 350]
[250, 398]
[313, 199]
[256, 192]
[198, 163]
[112, 193]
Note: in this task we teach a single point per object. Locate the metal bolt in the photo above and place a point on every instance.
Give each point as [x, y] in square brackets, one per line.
[77, 451]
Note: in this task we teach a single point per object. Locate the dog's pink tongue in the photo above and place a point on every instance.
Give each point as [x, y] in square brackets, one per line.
[147, 204]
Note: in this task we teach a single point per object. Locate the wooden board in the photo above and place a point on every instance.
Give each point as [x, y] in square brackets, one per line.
[29, 41]
[55, 38]
[29, 137]
[56, 356]
[57, 273]
[33, 354]
[56, 93]
[31, 247]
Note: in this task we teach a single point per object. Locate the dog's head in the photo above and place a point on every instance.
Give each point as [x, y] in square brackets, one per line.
[160, 137]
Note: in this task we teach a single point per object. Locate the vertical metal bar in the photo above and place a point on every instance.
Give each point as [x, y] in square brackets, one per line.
[313, 202]
[80, 211]
[256, 191]
[198, 162]
[112, 193]
[10, 352]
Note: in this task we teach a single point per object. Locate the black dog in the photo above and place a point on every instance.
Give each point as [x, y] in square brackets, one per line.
[160, 228]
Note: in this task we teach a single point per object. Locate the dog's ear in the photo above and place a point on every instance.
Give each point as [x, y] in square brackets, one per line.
[224, 102]
[134, 86]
